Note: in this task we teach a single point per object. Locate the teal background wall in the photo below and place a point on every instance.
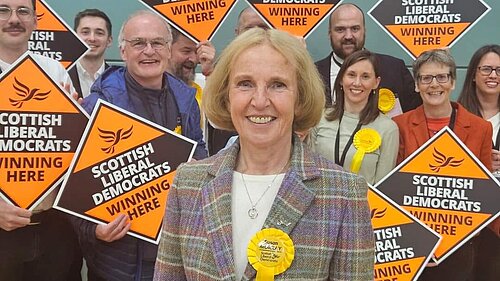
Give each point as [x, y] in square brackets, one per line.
[486, 31]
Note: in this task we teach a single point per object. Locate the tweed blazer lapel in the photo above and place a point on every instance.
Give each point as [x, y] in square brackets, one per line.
[293, 198]
[216, 199]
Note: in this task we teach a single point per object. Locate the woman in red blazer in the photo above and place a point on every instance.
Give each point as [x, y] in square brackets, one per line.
[435, 77]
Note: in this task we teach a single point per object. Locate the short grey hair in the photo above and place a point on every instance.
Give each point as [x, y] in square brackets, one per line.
[121, 42]
[439, 56]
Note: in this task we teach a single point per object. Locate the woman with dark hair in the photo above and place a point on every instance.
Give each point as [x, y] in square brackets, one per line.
[354, 133]
[481, 96]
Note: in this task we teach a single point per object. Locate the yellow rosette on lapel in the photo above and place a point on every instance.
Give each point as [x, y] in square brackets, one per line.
[270, 252]
[386, 100]
[366, 140]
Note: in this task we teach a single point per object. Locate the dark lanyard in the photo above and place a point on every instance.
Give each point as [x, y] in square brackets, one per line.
[451, 125]
[347, 146]
[496, 145]
[453, 116]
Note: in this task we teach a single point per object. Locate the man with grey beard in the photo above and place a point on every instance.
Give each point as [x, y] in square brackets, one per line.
[186, 55]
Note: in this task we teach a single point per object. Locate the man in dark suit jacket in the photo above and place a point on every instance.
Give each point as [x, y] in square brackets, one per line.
[217, 138]
[94, 28]
[347, 35]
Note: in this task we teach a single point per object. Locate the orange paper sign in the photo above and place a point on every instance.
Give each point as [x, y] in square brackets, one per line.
[403, 244]
[418, 26]
[445, 186]
[40, 127]
[123, 167]
[298, 17]
[54, 38]
[197, 19]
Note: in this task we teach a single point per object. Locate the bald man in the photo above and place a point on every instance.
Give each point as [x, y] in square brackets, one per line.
[347, 33]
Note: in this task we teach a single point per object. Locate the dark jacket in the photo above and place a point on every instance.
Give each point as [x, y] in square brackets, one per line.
[394, 76]
[125, 258]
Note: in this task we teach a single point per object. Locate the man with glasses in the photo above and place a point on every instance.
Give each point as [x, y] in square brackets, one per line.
[38, 244]
[347, 35]
[144, 88]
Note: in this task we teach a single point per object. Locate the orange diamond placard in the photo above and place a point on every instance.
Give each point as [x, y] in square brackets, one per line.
[297, 17]
[403, 244]
[418, 26]
[446, 187]
[54, 38]
[197, 19]
[40, 127]
[123, 167]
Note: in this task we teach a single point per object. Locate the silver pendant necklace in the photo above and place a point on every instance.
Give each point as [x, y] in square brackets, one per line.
[252, 212]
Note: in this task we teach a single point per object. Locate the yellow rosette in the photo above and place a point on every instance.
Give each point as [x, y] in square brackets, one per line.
[386, 100]
[366, 140]
[270, 252]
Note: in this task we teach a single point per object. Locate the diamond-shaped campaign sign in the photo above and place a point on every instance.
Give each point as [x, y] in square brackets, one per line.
[418, 26]
[197, 19]
[54, 38]
[403, 244]
[123, 167]
[445, 186]
[299, 17]
[40, 127]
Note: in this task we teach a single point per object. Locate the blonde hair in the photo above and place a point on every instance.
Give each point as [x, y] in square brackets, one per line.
[310, 96]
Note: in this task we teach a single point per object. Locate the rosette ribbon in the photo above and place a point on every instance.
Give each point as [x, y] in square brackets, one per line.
[270, 252]
[366, 140]
[386, 100]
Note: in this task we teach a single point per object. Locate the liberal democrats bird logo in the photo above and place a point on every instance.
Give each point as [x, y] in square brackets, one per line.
[443, 161]
[114, 138]
[26, 94]
[377, 214]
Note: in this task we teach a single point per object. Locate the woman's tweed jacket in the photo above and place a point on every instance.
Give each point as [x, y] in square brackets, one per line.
[323, 209]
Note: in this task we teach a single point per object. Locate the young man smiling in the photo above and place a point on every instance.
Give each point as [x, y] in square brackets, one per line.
[94, 28]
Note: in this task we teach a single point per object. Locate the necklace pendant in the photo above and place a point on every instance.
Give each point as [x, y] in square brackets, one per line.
[252, 213]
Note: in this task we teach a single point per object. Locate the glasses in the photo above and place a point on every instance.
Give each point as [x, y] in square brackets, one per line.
[140, 44]
[440, 78]
[486, 70]
[23, 13]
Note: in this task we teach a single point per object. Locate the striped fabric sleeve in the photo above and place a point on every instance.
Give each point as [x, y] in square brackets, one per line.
[169, 264]
[353, 258]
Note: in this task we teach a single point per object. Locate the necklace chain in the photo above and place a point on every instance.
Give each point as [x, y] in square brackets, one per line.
[252, 212]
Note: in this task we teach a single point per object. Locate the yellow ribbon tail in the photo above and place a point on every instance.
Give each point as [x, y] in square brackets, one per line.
[357, 159]
[265, 274]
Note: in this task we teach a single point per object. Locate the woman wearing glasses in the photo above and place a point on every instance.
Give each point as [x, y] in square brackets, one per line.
[481, 96]
[435, 77]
